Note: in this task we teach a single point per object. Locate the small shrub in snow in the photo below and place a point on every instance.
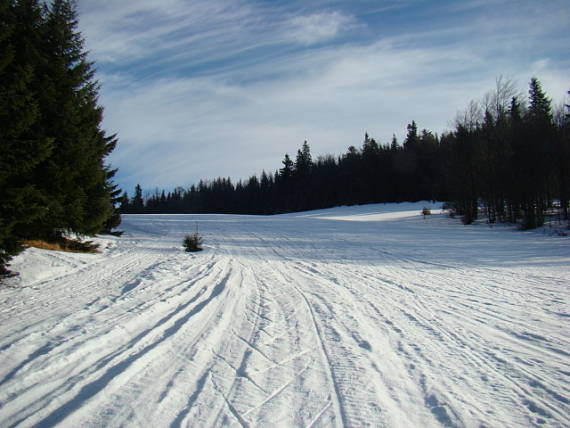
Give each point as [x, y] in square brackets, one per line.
[193, 243]
[426, 211]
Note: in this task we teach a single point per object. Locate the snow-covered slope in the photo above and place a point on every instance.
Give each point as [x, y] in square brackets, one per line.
[355, 316]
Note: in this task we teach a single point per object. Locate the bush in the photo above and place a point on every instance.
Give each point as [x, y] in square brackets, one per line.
[193, 243]
[426, 211]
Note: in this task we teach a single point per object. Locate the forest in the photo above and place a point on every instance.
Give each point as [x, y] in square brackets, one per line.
[53, 177]
[507, 160]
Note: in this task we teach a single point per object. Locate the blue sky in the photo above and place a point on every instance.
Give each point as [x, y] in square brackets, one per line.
[197, 89]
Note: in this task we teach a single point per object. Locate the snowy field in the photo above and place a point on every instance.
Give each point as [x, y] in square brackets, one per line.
[354, 316]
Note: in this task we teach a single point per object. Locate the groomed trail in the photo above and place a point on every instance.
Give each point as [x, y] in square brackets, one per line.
[348, 317]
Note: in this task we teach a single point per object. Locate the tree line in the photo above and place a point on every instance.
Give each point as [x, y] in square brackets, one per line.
[53, 176]
[507, 159]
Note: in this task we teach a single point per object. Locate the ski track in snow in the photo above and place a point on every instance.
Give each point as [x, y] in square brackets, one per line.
[348, 317]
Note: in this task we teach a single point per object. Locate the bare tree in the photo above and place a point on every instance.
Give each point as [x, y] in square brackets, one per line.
[498, 100]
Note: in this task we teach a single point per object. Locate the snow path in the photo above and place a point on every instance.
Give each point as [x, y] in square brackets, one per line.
[354, 316]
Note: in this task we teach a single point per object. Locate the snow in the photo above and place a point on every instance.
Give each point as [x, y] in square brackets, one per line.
[354, 316]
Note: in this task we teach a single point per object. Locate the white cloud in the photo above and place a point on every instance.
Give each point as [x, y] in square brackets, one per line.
[180, 130]
[239, 117]
[318, 27]
[127, 31]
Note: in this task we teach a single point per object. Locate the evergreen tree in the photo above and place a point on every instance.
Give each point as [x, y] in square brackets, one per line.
[302, 178]
[304, 160]
[114, 191]
[22, 143]
[284, 185]
[563, 161]
[394, 144]
[536, 157]
[124, 203]
[370, 173]
[540, 109]
[412, 136]
[288, 167]
[350, 182]
[74, 176]
[137, 204]
[52, 150]
[406, 163]
[516, 189]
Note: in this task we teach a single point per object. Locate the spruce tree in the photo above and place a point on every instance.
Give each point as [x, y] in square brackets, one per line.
[515, 188]
[370, 169]
[406, 163]
[412, 136]
[53, 177]
[304, 160]
[394, 144]
[563, 160]
[116, 199]
[22, 143]
[302, 178]
[537, 156]
[74, 177]
[287, 171]
[137, 204]
[284, 185]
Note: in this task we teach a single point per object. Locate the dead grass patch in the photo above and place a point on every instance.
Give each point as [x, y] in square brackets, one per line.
[64, 244]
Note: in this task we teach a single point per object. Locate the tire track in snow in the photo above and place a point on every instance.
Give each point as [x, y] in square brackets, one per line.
[441, 332]
[119, 369]
[288, 342]
[349, 364]
[126, 358]
[335, 395]
[364, 373]
[243, 350]
[71, 344]
[438, 411]
[200, 351]
[253, 352]
[277, 313]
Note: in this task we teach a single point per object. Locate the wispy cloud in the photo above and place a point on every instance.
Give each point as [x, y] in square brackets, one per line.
[318, 27]
[132, 33]
[225, 88]
[203, 127]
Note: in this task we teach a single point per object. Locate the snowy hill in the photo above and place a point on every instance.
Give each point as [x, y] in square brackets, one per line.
[353, 316]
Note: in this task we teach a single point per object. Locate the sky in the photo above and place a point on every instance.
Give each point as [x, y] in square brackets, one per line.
[198, 89]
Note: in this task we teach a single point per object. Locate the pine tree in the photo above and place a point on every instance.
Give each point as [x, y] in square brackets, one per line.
[116, 199]
[563, 162]
[406, 163]
[284, 185]
[304, 160]
[287, 171]
[22, 144]
[540, 109]
[302, 178]
[536, 156]
[412, 136]
[370, 172]
[124, 203]
[75, 175]
[394, 144]
[137, 204]
[52, 172]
